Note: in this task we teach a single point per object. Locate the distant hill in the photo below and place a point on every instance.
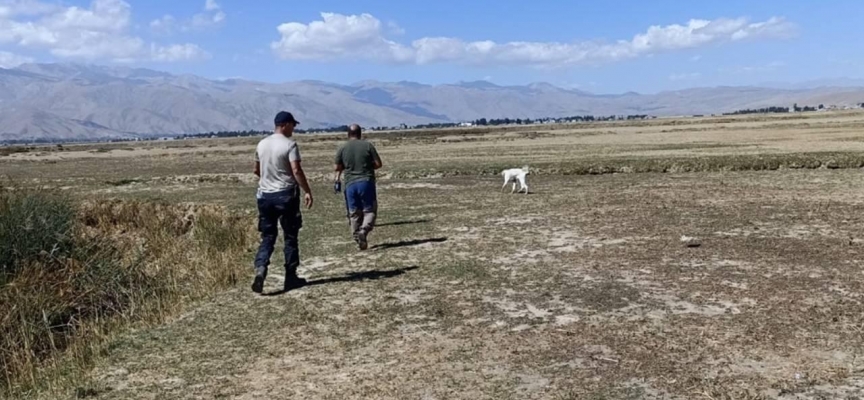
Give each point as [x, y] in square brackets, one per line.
[75, 102]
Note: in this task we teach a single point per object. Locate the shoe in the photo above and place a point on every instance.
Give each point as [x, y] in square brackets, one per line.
[294, 282]
[260, 276]
[361, 240]
[258, 284]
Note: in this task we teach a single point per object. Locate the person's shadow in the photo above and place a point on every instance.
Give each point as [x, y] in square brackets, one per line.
[352, 277]
[407, 243]
[398, 223]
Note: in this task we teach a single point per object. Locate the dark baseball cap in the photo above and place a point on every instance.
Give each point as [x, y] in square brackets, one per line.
[285, 117]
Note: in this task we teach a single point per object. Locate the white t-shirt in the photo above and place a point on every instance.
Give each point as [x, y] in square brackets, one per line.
[274, 153]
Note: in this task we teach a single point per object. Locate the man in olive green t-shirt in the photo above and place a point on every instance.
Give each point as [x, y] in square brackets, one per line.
[357, 160]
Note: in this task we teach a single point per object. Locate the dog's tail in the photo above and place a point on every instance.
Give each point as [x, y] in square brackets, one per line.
[525, 168]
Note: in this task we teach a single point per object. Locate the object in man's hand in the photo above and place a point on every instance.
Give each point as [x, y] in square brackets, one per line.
[337, 187]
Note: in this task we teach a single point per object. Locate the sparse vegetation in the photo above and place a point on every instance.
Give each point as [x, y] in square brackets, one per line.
[33, 224]
[718, 163]
[8, 150]
[73, 275]
[582, 289]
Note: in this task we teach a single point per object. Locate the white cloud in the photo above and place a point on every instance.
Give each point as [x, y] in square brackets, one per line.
[110, 16]
[206, 20]
[10, 60]
[164, 25]
[394, 28]
[211, 17]
[99, 32]
[12, 8]
[340, 36]
[691, 76]
[696, 58]
[178, 52]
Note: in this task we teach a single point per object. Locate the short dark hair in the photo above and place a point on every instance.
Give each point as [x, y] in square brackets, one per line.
[354, 130]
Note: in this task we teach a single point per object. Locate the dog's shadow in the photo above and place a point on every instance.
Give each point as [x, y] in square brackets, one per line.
[353, 277]
[407, 243]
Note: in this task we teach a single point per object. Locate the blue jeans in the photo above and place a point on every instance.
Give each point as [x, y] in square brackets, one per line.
[274, 209]
[361, 202]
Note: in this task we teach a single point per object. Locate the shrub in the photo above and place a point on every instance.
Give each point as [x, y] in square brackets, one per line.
[76, 274]
[34, 224]
[216, 233]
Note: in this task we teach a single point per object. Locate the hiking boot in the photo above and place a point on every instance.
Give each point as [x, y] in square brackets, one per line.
[361, 240]
[258, 283]
[294, 282]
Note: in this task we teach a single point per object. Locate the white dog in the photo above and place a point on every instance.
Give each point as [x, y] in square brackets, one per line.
[514, 175]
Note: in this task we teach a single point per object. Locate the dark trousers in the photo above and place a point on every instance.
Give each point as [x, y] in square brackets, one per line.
[274, 209]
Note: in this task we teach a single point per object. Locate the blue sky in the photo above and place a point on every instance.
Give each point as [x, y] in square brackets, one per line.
[611, 46]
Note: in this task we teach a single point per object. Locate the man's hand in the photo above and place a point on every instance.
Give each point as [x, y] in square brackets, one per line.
[308, 200]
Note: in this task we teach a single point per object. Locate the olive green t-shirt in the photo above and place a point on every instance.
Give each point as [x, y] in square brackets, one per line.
[358, 157]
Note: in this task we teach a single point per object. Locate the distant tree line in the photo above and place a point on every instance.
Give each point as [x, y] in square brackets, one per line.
[247, 133]
[436, 125]
[559, 120]
[15, 142]
[222, 134]
[30, 141]
[777, 110]
[766, 110]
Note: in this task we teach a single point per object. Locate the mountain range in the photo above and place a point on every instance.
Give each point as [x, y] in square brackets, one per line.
[89, 102]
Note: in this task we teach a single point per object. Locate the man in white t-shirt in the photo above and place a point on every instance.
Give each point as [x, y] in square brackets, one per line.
[277, 164]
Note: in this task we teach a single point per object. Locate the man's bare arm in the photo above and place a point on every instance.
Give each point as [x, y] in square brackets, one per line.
[376, 159]
[300, 176]
[338, 168]
[258, 169]
[301, 180]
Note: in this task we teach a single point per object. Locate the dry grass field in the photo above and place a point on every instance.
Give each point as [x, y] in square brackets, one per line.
[581, 289]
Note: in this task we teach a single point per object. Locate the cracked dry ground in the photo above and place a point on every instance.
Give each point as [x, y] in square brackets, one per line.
[581, 289]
